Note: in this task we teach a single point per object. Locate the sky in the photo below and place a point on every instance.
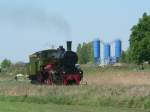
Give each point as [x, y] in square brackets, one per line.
[27, 26]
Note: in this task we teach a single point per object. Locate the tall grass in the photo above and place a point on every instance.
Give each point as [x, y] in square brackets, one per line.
[106, 87]
[118, 96]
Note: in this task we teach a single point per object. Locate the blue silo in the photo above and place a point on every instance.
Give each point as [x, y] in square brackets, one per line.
[96, 51]
[118, 48]
[106, 51]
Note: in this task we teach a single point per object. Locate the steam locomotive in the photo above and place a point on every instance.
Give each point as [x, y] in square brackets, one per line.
[55, 66]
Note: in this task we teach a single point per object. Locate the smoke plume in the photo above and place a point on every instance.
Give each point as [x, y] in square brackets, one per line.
[34, 18]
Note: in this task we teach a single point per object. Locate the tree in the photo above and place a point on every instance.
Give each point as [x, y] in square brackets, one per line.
[85, 53]
[79, 47]
[90, 52]
[82, 53]
[140, 41]
[125, 57]
[5, 64]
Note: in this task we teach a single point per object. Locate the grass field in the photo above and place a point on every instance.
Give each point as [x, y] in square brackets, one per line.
[32, 107]
[107, 90]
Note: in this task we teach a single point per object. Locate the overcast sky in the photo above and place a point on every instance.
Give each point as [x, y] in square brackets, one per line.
[27, 26]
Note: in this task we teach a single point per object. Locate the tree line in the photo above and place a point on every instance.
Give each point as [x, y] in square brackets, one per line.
[138, 51]
[85, 53]
[7, 67]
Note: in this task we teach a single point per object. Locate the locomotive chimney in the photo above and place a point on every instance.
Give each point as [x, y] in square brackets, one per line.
[69, 45]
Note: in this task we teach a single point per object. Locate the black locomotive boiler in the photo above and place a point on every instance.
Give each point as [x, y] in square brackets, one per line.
[55, 66]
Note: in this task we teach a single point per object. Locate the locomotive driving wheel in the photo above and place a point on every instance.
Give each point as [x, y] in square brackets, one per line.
[49, 80]
[40, 77]
[45, 77]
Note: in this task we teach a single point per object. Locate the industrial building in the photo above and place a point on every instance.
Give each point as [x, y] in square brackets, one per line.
[106, 53]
